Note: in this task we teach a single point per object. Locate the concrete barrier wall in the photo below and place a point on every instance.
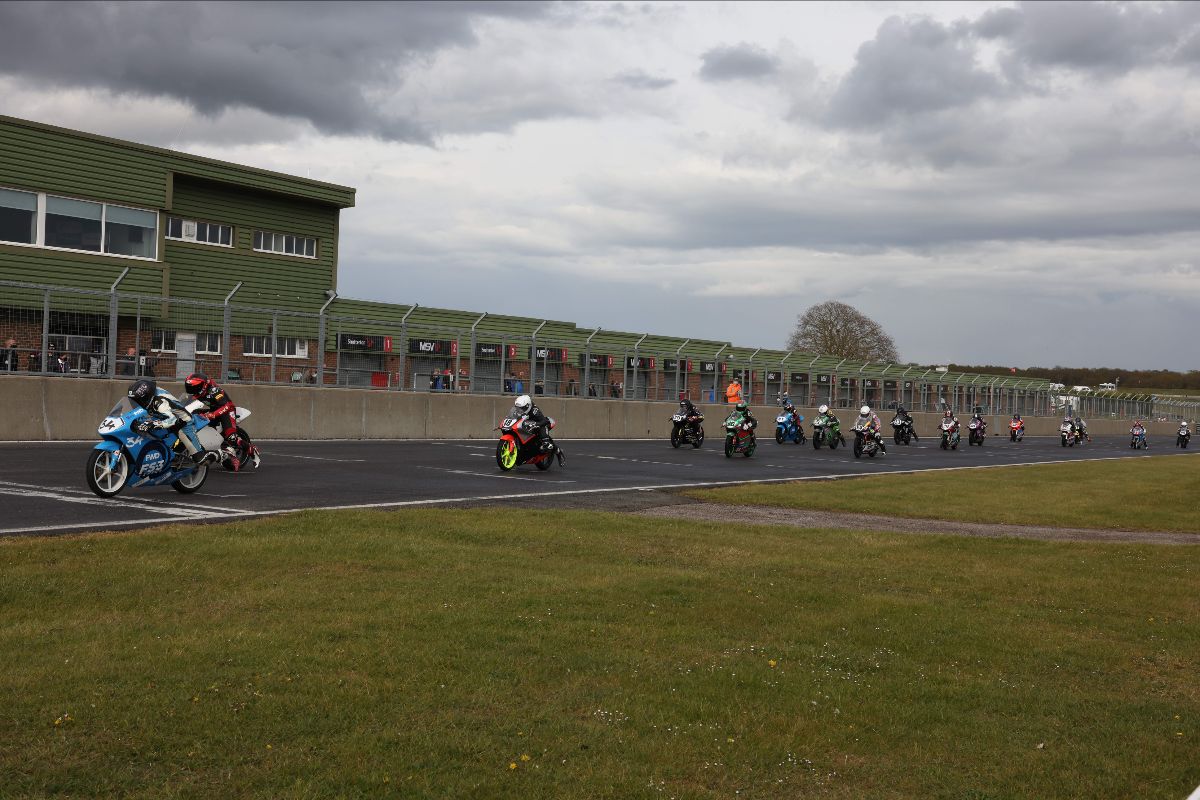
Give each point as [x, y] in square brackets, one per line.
[48, 408]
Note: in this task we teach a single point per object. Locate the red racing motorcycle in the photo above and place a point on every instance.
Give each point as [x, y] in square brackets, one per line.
[519, 444]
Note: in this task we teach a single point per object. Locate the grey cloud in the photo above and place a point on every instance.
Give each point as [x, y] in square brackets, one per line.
[326, 63]
[1094, 37]
[737, 62]
[912, 66]
[637, 79]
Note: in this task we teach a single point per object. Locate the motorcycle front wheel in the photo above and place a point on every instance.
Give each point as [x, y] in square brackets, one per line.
[857, 448]
[192, 481]
[675, 437]
[107, 472]
[779, 436]
[506, 454]
[729, 447]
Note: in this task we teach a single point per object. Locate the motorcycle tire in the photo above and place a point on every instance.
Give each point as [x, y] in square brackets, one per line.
[192, 481]
[945, 443]
[107, 480]
[1064, 440]
[897, 437]
[675, 438]
[857, 449]
[729, 447]
[817, 441]
[506, 454]
[698, 439]
[242, 451]
[545, 463]
[779, 436]
[750, 448]
[800, 439]
[833, 443]
[1012, 437]
[872, 454]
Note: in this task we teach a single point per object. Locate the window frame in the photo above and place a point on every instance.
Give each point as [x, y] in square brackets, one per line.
[298, 242]
[197, 222]
[39, 241]
[155, 333]
[301, 346]
[219, 340]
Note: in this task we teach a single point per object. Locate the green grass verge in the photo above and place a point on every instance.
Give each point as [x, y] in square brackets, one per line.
[1145, 494]
[508, 654]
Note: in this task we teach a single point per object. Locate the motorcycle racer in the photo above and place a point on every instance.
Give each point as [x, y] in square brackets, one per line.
[218, 408]
[1080, 428]
[869, 420]
[523, 407]
[170, 415]
[742, 409]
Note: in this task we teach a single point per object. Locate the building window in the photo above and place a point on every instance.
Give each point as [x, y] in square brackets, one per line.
[285, 346]
[74, 224]
[162, 340]
[189, 230]
[285, 244]
[208, 344]
[18, 217]
[62, 222]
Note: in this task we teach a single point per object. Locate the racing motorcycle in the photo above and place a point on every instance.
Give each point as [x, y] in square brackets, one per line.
[1183, 437]
[827, 431]
[1016, 430]
[976, 432]
[1138, 437]
[789, 429]
[519, 445]
[236, 445]
[739, 436]
[685, 431]
[1066, 434]
[135, 451]
[902, 430]
[950, 435]
[864, 441]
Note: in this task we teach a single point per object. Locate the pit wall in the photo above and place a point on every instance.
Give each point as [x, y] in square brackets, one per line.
[49, 408]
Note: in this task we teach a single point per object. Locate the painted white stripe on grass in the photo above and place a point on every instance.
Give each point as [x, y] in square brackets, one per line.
[566, 492]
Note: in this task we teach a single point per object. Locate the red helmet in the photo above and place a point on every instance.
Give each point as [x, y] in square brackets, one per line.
[196, 383]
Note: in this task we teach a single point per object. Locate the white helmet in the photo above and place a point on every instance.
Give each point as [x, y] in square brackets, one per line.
[824, 409]
[523, 404]
[865, 410]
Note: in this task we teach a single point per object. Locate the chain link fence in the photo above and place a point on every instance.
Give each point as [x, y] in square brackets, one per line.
[74, 333]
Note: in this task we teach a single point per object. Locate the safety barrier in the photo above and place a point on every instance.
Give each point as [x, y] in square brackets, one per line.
[39, 408]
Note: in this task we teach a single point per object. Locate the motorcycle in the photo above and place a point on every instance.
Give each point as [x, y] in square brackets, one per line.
[1138, 438]
[739, 437]
[236, 445]
[1066, 433]
[134, 451]
[1183, 437]
[903, 431]
[950, 436]
[864, 442]
[788, 428]
[1016, 430]
[827, 431]
[519, 445]
[685, 431]
[976, 432]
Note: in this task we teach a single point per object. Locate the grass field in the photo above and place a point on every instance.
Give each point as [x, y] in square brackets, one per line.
[508, 654]
[1149, 494]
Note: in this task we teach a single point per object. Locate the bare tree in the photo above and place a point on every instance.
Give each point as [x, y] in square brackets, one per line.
[836, 329]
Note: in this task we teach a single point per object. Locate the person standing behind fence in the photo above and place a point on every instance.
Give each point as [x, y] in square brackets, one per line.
[127, 365]
[733, 392]
[8, 356]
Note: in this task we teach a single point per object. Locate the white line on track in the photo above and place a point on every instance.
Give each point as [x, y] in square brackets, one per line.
[72, 495]
[491, 475]
[319, 458]
[636, 460]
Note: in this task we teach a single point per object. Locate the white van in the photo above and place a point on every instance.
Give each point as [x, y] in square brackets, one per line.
[1108, 387]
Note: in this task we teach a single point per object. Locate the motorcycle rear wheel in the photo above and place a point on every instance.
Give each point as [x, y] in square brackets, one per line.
[107, 472]
[506, 454]
[192, 481]
[698, 439]
[241, 450]
[545, 463]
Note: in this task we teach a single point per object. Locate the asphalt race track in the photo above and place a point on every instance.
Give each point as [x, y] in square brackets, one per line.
[43, 491]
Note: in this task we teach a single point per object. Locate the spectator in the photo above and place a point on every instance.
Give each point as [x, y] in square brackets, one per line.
[435, 381]
[311, 377]
[572, 389]
[127, 364]
[518, 385]
[447, 380]
[733, 392]
[508, 383]
[613, 391]
[9, 357]
[591, 390]
[35, 361]
[539, 386]
[61, 365]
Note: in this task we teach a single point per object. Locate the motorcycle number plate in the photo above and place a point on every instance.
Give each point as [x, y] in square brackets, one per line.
[781, 419]
[677, 418]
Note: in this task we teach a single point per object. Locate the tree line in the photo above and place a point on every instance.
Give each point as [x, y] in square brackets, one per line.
[1127, 380]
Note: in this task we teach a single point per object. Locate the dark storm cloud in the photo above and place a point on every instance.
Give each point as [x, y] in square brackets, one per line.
[1093, 37]
[328, 63]
[637, 79]
[737, 62]
[912, 66]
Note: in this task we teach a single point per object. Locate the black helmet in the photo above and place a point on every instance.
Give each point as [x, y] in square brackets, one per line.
[900, 409]
[141, 392]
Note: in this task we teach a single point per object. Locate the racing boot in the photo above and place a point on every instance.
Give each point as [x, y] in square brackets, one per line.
[230, 457]
[206, 456]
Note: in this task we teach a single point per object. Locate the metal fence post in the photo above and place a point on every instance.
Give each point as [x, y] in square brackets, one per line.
[45, 331]
[226, 325]
[330, 296]
[274, 342]
[111, 370]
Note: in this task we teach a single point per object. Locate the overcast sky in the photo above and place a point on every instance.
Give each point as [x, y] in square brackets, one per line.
[993, 183]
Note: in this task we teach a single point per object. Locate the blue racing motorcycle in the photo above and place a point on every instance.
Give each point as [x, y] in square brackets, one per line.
[789, 429]
[136, 451]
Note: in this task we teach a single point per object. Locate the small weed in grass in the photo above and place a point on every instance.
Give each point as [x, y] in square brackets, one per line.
[508, 654]
[1146, 494]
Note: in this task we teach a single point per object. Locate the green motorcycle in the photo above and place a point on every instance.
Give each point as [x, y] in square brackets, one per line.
[739, 436]
[827, 430]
